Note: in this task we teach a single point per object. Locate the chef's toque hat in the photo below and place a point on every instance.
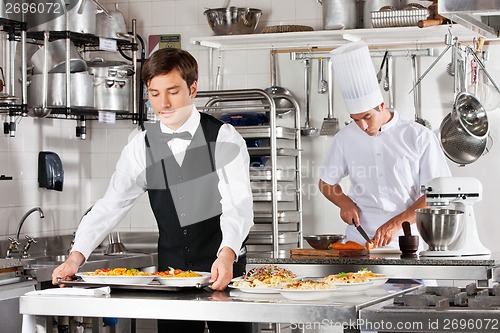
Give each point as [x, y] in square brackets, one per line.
[353, 69]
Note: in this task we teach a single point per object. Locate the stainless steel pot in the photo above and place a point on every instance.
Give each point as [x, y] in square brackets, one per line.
[341, 14]
[111, 24]
[56, 58]
[112, 81]
[82, 90]
[81, 18]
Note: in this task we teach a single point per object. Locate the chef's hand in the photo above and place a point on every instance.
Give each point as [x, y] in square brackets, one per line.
[68, 268]
[222, 269]
[349, 213]
[386, 232]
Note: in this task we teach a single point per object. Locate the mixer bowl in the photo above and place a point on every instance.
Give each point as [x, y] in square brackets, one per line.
[439, 227]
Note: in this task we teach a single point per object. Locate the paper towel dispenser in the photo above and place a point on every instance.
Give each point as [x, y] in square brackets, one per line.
[50, 171]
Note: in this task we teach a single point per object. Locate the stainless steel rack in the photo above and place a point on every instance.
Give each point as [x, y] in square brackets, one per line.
[277, 183]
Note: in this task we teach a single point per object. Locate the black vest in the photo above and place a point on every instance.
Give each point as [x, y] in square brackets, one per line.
[185, 199]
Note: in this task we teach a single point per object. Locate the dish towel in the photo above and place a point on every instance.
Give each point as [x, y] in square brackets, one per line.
[96, 292]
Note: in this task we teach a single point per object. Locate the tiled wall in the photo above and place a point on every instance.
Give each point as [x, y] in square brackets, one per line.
[89, 164]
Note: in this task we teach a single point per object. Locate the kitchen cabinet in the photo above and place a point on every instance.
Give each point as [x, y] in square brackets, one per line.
[275, 173]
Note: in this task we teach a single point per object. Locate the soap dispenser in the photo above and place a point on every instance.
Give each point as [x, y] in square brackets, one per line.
[50, 171]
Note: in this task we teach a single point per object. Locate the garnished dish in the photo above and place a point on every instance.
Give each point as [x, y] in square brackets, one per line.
[307, 290]
[377, 279]
[348, 283]
[180, 278]
[117, 276]
[264, 279]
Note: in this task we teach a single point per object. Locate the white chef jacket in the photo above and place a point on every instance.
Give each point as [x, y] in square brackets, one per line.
[128, 182]
[385, 170]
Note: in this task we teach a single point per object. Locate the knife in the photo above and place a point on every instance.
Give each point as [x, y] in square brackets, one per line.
[363, 233]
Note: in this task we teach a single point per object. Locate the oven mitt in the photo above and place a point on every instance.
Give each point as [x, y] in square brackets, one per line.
[95, 292]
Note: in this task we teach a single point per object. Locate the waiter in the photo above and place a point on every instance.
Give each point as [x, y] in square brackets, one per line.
[196, 172]
[385, 157]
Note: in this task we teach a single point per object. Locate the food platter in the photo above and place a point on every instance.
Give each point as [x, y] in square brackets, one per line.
[185, 281]
[379, 281]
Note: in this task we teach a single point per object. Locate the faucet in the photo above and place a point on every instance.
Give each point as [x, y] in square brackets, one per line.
[14, 242]
[25, 217]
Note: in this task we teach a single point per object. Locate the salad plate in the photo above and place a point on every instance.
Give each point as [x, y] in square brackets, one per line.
[256, 290]
[306, 295]
[352, 288]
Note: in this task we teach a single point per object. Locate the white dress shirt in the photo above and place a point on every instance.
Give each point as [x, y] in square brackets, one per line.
[128, 182]
[385, 170]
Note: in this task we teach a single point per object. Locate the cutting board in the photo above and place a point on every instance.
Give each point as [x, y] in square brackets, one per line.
[328, 253]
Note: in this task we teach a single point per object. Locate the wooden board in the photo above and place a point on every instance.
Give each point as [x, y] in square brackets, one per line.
[328, 253]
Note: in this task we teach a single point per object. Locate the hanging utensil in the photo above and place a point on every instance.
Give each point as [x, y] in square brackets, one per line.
[307, 130]
[379, 73]
[322, 83]
[283, 105]
[386, 78]
[330, 124]
[416, 95]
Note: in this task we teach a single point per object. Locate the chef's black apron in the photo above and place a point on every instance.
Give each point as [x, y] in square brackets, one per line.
[185, 243]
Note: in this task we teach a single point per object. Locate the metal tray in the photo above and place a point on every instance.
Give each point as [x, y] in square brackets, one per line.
[153, 286]
[268, 227]
[283, 217]
[257, 238]
[266, 151]
[265, 174]
[267, 196]
[265, 132]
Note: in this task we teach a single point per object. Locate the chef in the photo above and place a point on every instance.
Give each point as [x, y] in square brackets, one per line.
[196, 172]
[385, 157]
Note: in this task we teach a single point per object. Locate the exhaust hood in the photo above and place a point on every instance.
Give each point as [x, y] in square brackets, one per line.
[480, 16]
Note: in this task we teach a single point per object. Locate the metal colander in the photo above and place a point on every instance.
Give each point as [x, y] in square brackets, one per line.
[458, 145]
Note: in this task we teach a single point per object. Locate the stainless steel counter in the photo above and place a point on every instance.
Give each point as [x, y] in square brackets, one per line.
[480, 269]
[205, 304]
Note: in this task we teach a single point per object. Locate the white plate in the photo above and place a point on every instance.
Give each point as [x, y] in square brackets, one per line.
[119, 279]
[307, 295]
[379, 281]
[352, 287]
[273, 290]
[185, 281]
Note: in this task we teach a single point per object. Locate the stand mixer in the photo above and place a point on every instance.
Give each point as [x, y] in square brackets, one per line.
[462, 192]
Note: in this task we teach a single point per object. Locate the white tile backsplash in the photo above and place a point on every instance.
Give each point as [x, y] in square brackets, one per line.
[89, 163]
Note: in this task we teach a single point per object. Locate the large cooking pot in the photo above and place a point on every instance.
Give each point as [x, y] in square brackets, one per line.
[81, 17]
[112, 81]
[341, 14]
[56, 58]
[82, 90]
[111, 24]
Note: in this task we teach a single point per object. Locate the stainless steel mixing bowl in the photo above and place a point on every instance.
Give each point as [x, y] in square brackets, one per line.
[322, 242]
[233, 20]
[439, 227]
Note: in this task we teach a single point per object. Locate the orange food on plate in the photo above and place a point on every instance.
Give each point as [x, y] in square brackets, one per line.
[349, 245]
[177, 273]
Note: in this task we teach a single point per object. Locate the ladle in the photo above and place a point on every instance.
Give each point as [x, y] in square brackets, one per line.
[307, 130]
[274, 89]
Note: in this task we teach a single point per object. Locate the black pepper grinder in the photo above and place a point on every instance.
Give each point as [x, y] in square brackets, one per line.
[408, 244]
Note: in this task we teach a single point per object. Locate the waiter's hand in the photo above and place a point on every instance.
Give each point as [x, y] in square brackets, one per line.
[386, 232]
[222, 269]
[67, 269]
